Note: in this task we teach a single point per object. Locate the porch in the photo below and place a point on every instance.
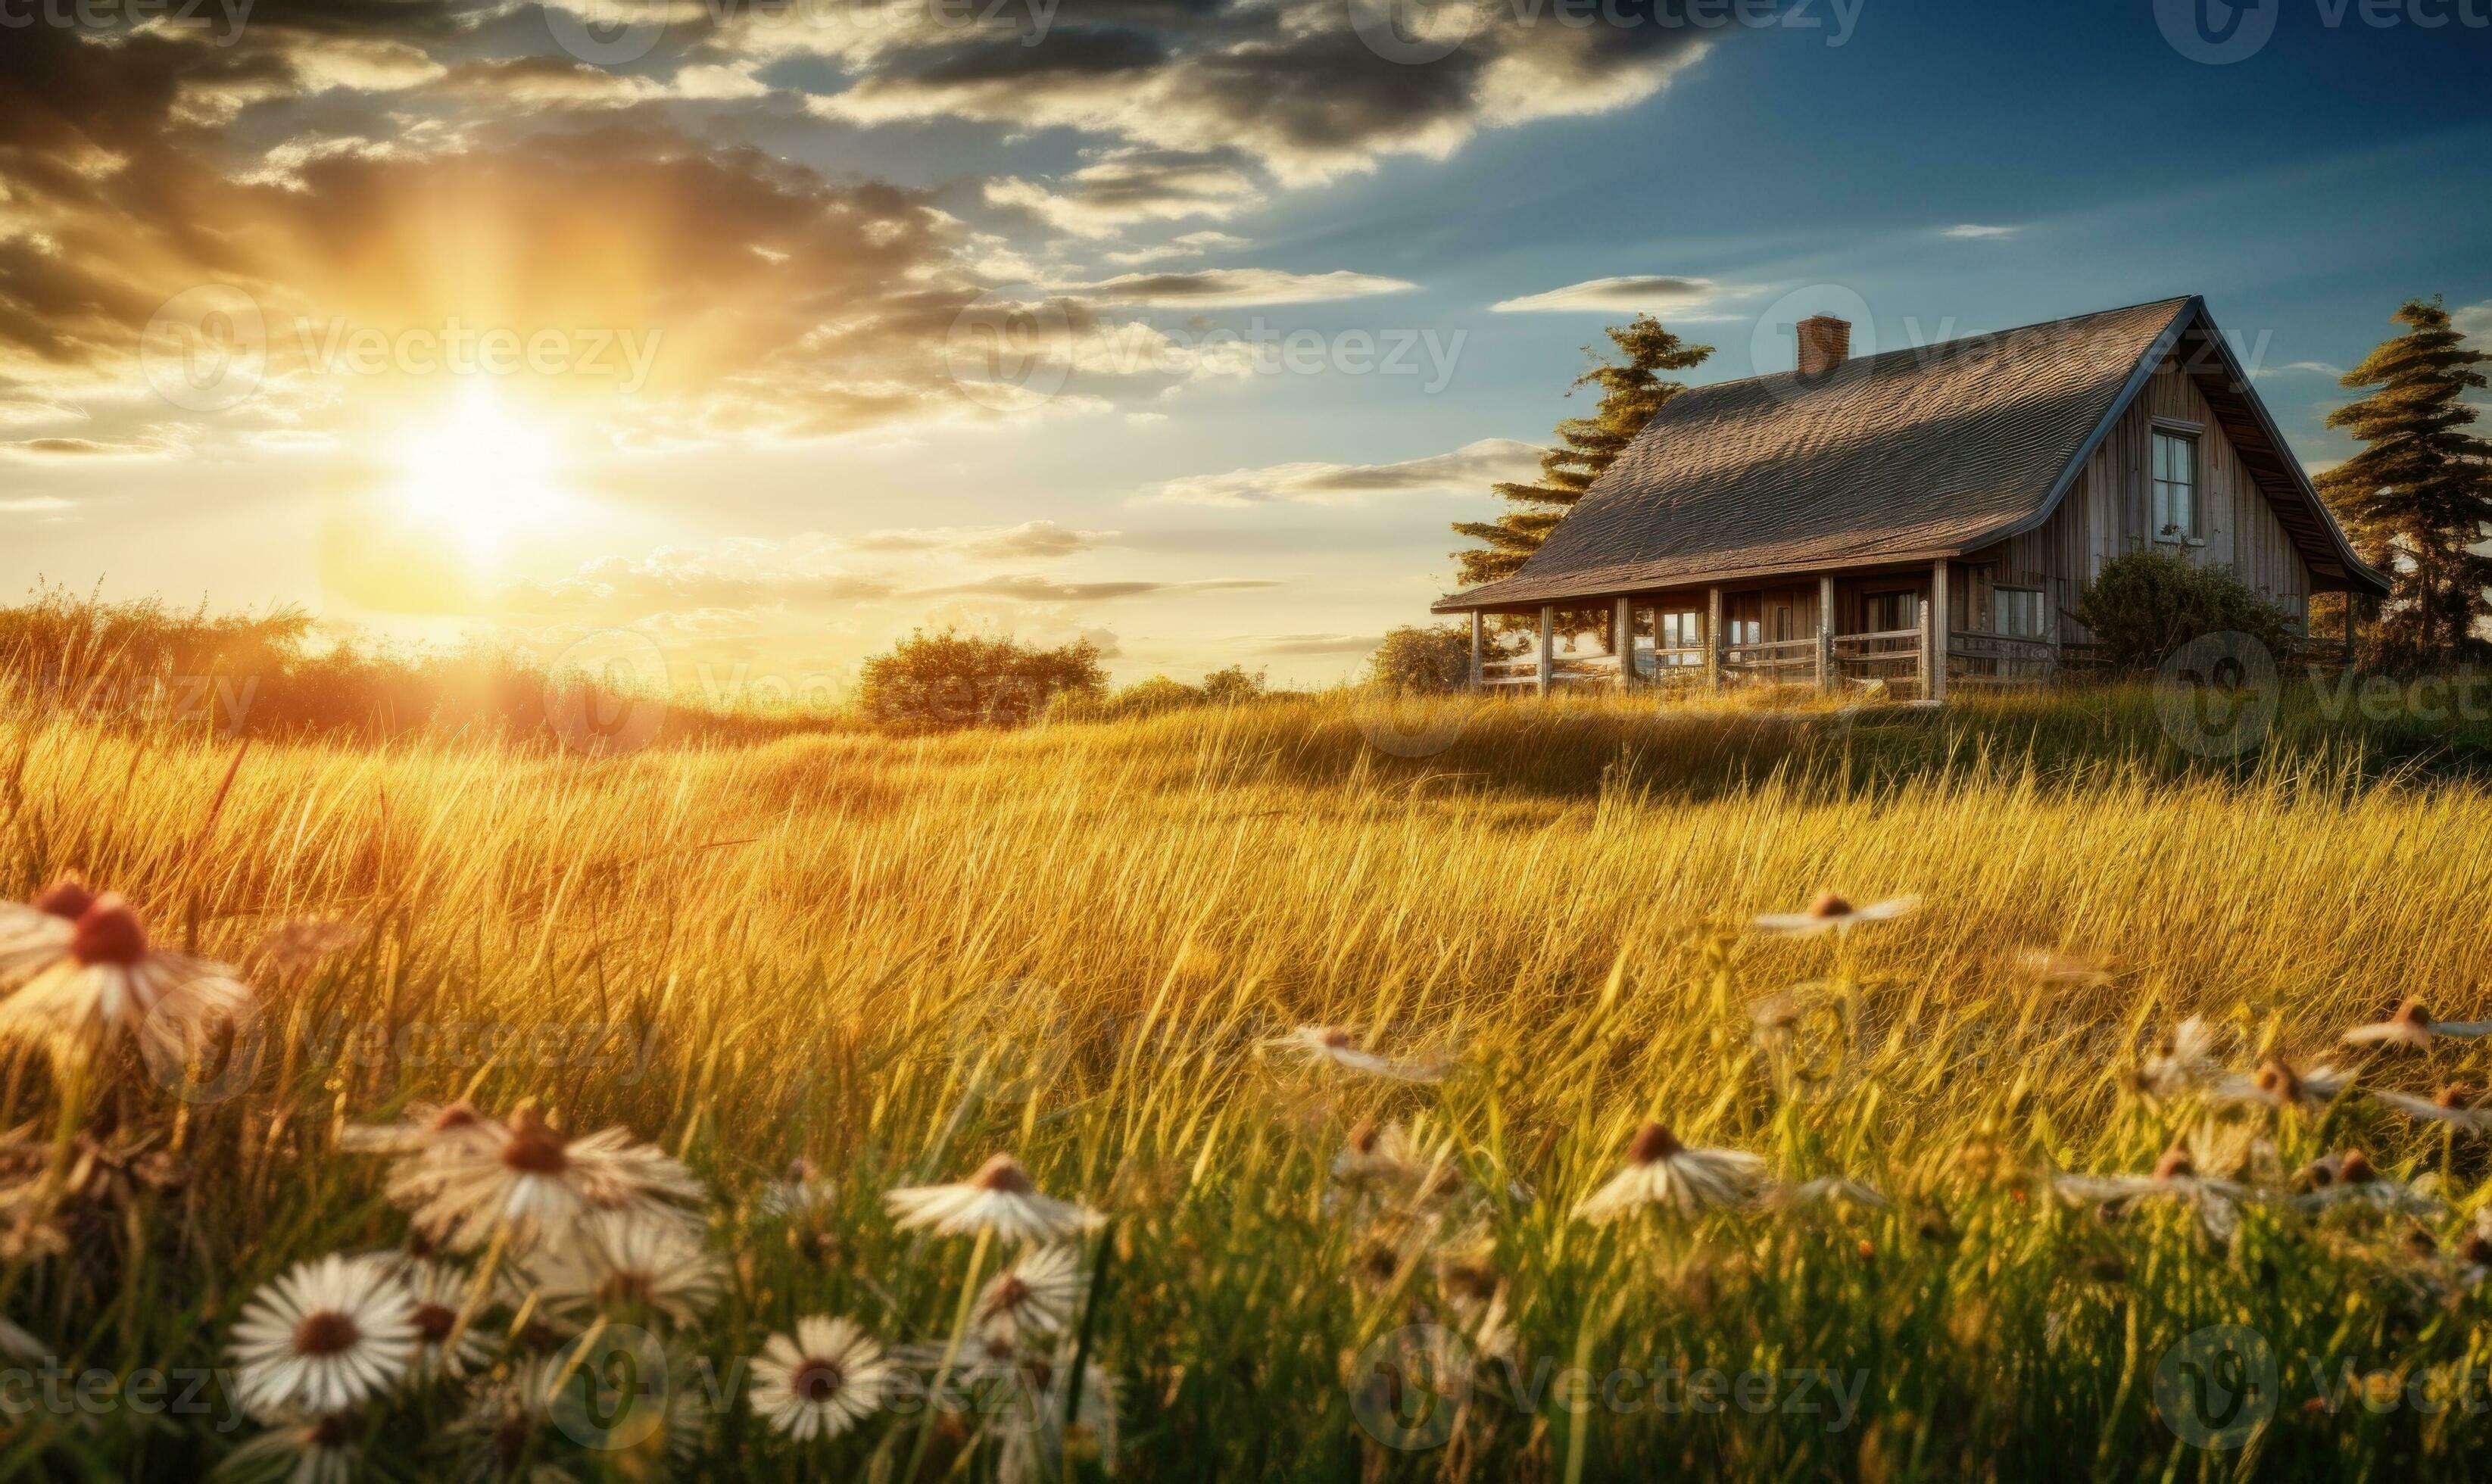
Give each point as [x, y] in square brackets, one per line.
[1841, 633]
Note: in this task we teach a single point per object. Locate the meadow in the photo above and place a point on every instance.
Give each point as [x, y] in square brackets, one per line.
[819, 969]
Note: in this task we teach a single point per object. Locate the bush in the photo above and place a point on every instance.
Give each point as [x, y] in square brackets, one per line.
[1425, 658]
[932, 682]
[2144, 605]
[1227, 687]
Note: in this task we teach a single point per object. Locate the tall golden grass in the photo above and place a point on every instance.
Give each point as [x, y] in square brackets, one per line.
[895, 957]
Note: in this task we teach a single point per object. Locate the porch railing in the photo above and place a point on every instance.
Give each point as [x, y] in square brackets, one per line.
[1999, 658]
[1777, 662]
[1895, 657]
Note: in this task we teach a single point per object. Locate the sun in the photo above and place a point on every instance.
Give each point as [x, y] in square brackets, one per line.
[482, 475]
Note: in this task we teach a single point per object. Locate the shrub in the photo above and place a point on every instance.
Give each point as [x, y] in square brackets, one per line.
[1433, 657]
[932, 682]
[1237, 683]
[2144, 605]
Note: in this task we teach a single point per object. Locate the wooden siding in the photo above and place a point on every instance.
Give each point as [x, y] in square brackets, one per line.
[2107, 514]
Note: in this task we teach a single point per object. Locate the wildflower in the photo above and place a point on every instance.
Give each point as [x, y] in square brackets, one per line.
[823, 1382]
[297, 945]
[1477, 1293]
[627, 1261]
[108, 979]
[37, 934]
[2412, 1025]
[1662, 1171]
[2277, 1084]
[1830, 912]
[2052, 967]
[1038, 1294]
[327, 1336]
[425, 1130]
[505, 1421]
[2187, 1060]
[1829, 1190]
[799, 1196]
[1378, 1162]
[1330, 1043]
[303, 1447]
[476, 1177]
[1033, 1435]
[438, 1292]
[999, 1198]
[2176, 1178]
[2350, 1178]
[2457, 1105]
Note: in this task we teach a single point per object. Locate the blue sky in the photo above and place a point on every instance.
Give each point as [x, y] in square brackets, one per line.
[803, 482]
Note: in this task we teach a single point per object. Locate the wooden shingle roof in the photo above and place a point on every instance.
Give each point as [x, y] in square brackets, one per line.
[1906, 456]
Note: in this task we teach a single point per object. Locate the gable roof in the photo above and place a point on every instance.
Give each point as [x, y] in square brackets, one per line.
[1906, 456]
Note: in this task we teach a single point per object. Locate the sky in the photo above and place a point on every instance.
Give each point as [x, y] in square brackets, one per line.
[742, 339]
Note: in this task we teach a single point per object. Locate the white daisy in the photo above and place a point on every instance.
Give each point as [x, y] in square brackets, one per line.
[999, 1198]
[1334, 1045]
[426, 1129]
[2412, 1025]
[1032, 1439]
[825, 1380]
[2053, 967]
[801, 1195]
[2217, 1202]
[1831, 913]
[536, 1183]
[300, 1448]
[1038, 1294]
[111, 981]
[1829, 1190]
[2350, 1178]
[2277, 1084]
[625, 1262]
[2189, 1059]
[1378, 1162]
[36, 936]
[2457, 1105]
[507, 1419]
[438, 1291]
[329, 1335]
[1662, 1171]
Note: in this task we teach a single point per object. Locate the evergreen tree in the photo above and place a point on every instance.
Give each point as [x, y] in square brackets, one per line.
[1632, 391]
[2419, 496]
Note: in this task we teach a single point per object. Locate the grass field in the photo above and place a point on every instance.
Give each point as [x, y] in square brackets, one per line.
[893, 959]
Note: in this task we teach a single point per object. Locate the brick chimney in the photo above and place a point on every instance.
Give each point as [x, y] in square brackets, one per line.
[1823, 343]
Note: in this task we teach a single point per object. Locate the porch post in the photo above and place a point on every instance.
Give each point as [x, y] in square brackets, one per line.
[1622, 640]
[1479, 647]
[1825, 634]
[1712, 638]
[1548, 646]
[1938, 626]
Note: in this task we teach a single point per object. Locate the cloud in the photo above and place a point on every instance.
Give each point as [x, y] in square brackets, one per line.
[1669, 298]
[1122, 187]
[1975, 232]
[1236, 287]
[32, 505]
[1030, 540]
[1472, 466]
[1177, 249]
[1028, 588]
[1294, 86]
[1312, 643]
[2309, 368]
[84, 447]
[2475, 322]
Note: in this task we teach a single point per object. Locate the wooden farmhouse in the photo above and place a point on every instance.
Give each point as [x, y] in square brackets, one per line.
[1920, 516]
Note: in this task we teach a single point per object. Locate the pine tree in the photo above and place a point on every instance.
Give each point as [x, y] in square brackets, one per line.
[1632, 391]
[2418, 495]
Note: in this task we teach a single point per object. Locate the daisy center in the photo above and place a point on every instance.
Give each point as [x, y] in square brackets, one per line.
[534, 1149]
[66, 898]
[821, 1380]
[325, 1333]
[1004, 1175]
[1653, 1143]
[433, 1321]
[108, 933]
[1829, 905]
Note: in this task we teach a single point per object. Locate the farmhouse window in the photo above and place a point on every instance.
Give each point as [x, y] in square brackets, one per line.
[2018, 613]
[1888, 612]
[2176, 485]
